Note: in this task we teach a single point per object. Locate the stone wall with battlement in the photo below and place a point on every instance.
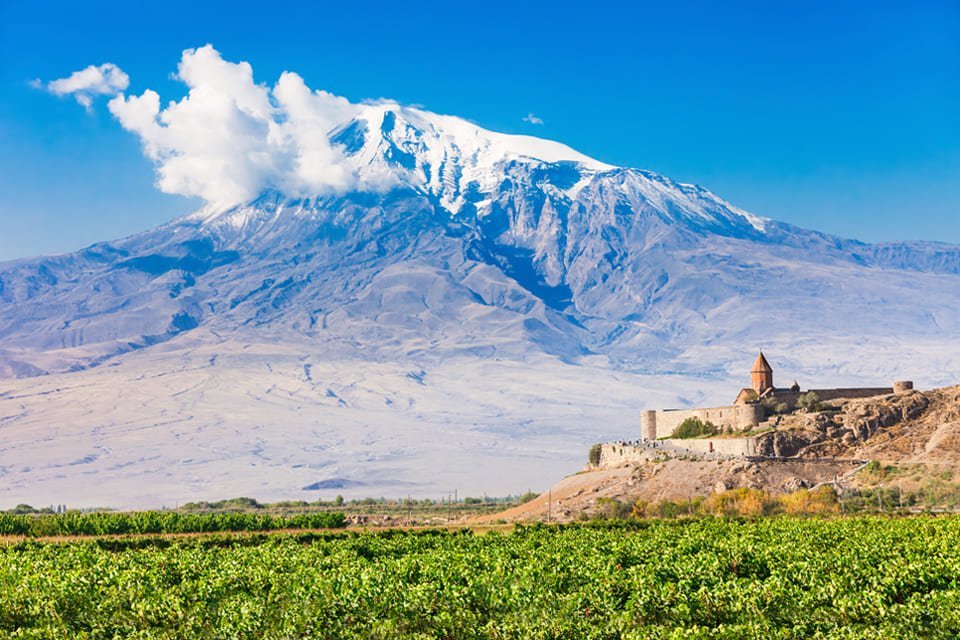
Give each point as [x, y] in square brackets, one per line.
[867, 392]
[826, 395]
[660, 424]
[616, 454]
[720, 446]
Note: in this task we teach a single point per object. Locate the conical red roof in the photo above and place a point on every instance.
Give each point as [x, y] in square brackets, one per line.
[761, 365]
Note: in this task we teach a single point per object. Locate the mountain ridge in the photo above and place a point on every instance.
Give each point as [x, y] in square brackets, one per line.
[534, 233]
[462, 318]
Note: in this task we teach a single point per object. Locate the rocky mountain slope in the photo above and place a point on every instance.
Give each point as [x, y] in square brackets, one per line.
[458, 250]
[488, 244]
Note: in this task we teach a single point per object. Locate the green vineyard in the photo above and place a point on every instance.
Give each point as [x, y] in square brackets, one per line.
[100, 524]
[782, 577]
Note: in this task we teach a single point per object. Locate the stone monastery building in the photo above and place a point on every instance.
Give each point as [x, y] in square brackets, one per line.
[751, 405]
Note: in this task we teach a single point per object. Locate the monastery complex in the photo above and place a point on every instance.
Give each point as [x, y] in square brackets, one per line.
[753, 404]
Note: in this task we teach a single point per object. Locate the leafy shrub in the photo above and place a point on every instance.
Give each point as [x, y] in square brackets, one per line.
[242, 503]
[802, 501]
[612, 509]
[23, 509]
[694, 427]
[774, 406]
[810, 402]
[873, 467]
[639, 509]
[739, 502]
[743, 502]
[667, 508]
[594, 455]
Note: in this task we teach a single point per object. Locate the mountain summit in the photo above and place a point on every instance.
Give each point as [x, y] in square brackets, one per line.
[469, 240]
[473, 296]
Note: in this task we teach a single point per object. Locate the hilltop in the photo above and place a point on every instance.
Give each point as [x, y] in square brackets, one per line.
[908, 441]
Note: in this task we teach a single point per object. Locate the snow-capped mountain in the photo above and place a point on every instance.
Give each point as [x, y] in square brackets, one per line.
[462, 249]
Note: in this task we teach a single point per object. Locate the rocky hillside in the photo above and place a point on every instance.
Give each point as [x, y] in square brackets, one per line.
[913, 438]
[914, 427]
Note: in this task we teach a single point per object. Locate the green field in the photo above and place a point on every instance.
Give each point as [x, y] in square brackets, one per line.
[709, 578]
[146, 522]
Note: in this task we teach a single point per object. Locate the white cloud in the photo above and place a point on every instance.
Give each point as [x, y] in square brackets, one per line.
[84, 85]
[316, 166]
[230, 138]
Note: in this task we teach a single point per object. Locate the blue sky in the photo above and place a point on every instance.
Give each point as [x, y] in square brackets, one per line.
[839, 116]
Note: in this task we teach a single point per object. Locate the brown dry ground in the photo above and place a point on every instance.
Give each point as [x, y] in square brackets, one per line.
[672, 479]
[933, 437]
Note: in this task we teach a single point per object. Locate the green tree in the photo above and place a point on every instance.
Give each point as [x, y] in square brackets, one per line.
[594, 455]
[810, 402]
[694, 427]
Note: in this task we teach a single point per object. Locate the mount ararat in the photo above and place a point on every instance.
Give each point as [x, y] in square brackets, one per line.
[470, 313]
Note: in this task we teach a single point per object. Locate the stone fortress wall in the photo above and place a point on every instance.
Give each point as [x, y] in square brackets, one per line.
[616, 454]
[718, 446]
[825, 395]
[654, 424]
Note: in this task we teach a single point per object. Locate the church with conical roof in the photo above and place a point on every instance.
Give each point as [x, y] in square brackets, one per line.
[761, 382]
[761, 375]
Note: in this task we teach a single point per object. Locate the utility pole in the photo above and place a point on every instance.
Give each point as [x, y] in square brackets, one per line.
[549, 503]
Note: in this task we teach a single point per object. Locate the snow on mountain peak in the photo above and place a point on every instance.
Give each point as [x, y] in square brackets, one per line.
[387, 144]
[230, 139]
